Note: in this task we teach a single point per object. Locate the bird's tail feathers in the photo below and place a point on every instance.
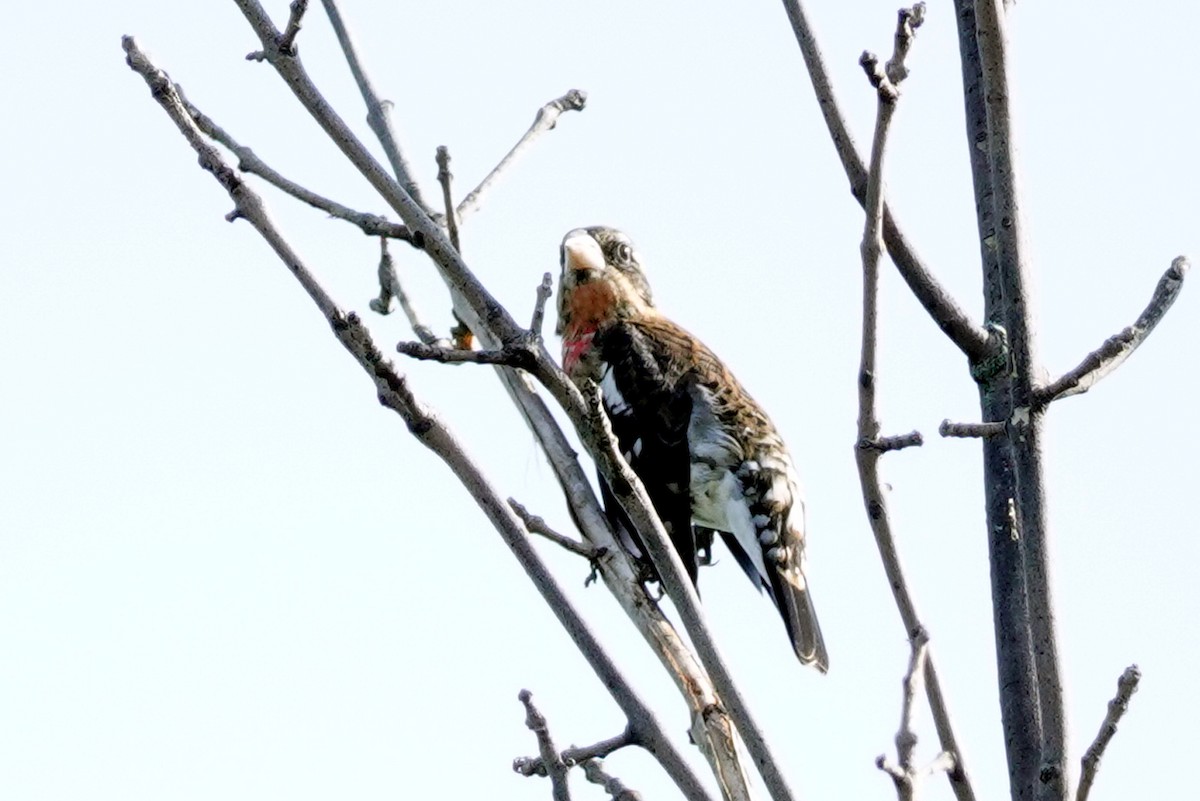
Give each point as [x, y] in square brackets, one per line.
[800, 618]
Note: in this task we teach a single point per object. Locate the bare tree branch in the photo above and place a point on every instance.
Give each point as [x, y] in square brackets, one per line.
[292, 30]
[378, 113]
[866, 457]
[544, 291]
[445, 177]
[972, 430]
[912, 439]
[1127, 685]
[593, 769]
[966, 334]
[389, 288]
[545, 120]
[1120, 346]
[249, 162]
[517, 356]
[575, 756]
[1049, 777]
[393, 393]
[537, 525]
[904, 772]
[548, 763]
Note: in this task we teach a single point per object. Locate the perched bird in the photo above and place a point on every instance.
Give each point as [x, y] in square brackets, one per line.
[708, 455]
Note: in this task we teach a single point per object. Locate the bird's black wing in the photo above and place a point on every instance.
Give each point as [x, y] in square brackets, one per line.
[650, 411]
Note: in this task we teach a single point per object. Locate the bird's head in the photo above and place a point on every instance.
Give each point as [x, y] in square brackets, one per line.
[601, 280]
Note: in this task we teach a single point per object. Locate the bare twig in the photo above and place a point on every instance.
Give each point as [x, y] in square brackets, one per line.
[1119, 347]
[1126, 686]
[518, 356]
[867, 458]
[879, 80]
[966, 334]
[249, 162]
[906, 28]
[445, 178]
[972, 430]
[912, 439]
[593, 769]
[378, 112]
[390, 287]
[544, 290]
[548, 763]
[393, 393]
[545, 120]
[576, 755]
[537, 525]
[288, 43]
[904, 771]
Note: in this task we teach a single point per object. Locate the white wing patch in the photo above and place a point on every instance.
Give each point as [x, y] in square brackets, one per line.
[614, 401]
[717, 503]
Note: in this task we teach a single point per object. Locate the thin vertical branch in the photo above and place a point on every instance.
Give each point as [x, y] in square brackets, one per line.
[445, 179]
[1026, 418]
[555, 768]
[866, 455]
[954, 322]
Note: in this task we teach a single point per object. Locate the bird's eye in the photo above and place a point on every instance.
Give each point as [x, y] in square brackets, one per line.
[624, 253]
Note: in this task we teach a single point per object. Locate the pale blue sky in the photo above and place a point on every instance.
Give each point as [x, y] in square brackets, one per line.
[226, 572]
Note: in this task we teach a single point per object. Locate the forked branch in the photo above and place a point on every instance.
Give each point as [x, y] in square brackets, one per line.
[968, 335]
[250, 162]
[548, 763]
[904, 771]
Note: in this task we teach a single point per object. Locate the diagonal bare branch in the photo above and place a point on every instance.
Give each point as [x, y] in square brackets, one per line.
[593, 769]
[249, 162]
[967, 335]
[1127, 685]
[378, 112]
[545, 120]
[537, 525]
[1120, 346]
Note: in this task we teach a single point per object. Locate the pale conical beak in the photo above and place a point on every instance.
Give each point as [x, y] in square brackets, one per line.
[581, 252]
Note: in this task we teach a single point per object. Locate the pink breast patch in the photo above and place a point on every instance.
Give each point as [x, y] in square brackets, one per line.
[574, 350]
